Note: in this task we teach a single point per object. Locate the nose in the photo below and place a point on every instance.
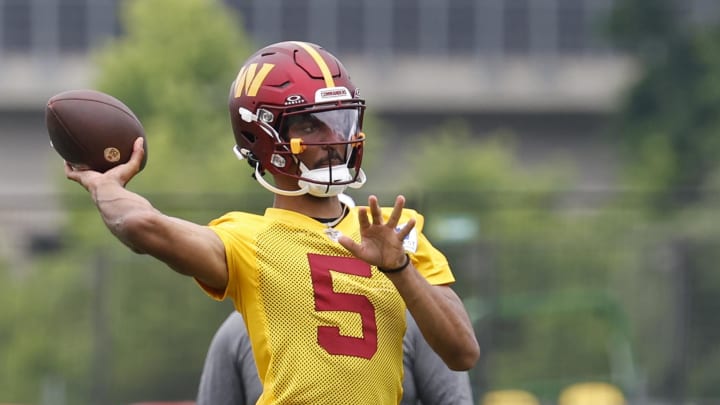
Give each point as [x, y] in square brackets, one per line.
[333, 150]
[332, 135]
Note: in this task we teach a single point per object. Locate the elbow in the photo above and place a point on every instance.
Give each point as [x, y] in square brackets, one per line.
[133, 228]
[466, 359]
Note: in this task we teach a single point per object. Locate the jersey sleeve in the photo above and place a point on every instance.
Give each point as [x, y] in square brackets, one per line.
[431, 263]
[238, 250]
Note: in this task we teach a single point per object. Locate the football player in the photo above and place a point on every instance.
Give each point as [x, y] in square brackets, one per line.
[322, 286]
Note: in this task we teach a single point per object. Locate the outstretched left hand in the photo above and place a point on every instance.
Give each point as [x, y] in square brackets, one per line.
[381, 243]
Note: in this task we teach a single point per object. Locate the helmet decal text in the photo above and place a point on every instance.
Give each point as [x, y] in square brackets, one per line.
[248, 81]
[331, 94]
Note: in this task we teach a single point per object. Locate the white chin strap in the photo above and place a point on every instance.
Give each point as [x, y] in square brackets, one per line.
[340, 173]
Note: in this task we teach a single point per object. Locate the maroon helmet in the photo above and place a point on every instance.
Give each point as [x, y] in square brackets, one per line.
[286, 84]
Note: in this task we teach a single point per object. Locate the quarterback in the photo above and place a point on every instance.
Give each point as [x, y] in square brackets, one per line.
[321, 285]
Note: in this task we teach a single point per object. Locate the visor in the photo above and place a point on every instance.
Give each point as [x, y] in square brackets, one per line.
[340, 125]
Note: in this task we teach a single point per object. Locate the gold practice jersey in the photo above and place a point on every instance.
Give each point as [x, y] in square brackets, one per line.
[325, 327]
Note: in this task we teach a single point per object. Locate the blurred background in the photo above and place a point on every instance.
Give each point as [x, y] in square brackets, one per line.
[563, 153]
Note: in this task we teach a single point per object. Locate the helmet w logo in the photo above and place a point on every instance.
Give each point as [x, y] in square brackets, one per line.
[249, 79]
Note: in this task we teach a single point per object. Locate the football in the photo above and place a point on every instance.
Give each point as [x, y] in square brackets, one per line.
[92, 130]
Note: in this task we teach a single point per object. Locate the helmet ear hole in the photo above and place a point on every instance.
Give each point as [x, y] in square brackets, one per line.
[248, 155]
[248, 136]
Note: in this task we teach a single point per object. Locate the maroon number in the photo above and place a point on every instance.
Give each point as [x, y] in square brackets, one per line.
[326, 299]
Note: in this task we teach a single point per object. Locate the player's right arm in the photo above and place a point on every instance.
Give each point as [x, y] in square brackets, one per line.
[188, 248]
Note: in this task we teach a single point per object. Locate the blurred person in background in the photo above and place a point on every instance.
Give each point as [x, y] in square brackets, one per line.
[322, 286]
[230, 377]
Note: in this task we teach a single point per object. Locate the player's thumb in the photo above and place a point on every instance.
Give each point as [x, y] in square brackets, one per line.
[137, 154]
[348, 243]
[128, 170]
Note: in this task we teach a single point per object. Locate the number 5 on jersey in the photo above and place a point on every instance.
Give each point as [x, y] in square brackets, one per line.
[326, 299]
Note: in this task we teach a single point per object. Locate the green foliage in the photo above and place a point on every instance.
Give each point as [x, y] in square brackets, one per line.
[125, 328]
[175, 75]
[643, 26]
[669, 133]
[548, 287]
[449, 161]
[174, 71]
[668, 124]
[483, 181]
[172, 63]
[48, 303]
[160, 327]
[536, 277]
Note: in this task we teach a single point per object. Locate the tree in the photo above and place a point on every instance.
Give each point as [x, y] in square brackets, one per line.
[535, 277]
[124, 329]
[667, 126]
[174, 70]
[669, 131]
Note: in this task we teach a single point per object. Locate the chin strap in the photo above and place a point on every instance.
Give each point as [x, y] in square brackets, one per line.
[308, 187]
[260, 179]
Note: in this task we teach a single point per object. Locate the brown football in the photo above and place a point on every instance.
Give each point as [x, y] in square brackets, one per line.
[92, 130]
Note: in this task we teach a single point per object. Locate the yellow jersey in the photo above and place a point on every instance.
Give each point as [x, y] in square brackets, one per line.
[325, 327]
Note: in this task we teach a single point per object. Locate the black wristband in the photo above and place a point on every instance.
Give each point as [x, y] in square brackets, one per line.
[396, 269]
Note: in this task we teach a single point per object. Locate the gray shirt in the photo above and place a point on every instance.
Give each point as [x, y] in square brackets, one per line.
[230, 377]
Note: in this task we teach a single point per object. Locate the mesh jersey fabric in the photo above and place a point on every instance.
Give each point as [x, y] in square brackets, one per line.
[229, 375]
[326, 328]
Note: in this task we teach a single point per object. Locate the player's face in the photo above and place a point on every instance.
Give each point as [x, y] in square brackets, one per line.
[325, 134]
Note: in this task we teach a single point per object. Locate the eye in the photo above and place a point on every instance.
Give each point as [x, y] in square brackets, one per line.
[306, 127]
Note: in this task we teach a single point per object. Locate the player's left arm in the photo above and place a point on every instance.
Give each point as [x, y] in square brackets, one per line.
[441, 317]
[439, 312]
[435, 383]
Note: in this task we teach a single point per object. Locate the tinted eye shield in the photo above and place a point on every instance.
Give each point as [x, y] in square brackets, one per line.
[298, 145]
[343, 124]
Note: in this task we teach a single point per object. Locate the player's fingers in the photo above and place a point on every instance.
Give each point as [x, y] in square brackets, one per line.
[363, 218]
[405, 231]
[70, 172]
[375, 210]
[75, 172]
[79, 174]
[396, 212]
[349, 244]
[125, 172]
